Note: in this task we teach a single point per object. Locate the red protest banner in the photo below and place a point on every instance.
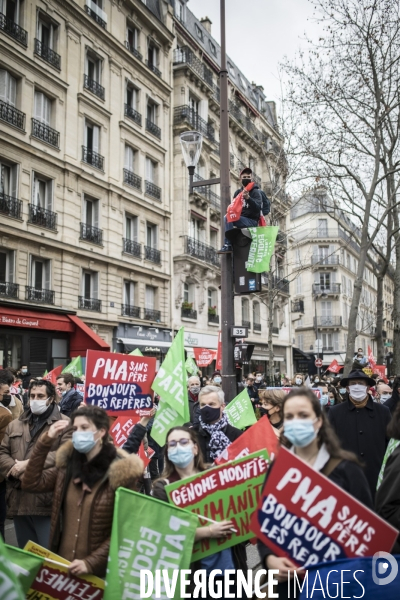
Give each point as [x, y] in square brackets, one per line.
[306, 517]
[121, 429]
[119, 383]
[334, 367]
[371, 360]
[52, 375]
[257, 437]
[203, 356]
[381, 369]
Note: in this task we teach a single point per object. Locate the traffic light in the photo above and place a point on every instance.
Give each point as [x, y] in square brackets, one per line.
[243, 353]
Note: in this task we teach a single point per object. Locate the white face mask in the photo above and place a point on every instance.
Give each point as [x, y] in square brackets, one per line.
[38, 407]
[298, 381]
[385, 397]
[358, 392]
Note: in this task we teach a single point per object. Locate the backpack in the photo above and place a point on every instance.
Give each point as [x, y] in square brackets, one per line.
[266, 204]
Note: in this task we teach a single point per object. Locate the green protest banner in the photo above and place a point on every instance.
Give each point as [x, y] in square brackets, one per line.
[74, 367]
[165, 418]
[135, 352]
[146, 534]
[25, 565]
[228, 492]
[191, 366]
[10, 587]
[240, 411]
[170, 381]
[261, 249]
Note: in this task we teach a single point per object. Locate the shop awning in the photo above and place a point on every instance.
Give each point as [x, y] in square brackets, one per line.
[300, 355]
[85, 338]
[131, 344]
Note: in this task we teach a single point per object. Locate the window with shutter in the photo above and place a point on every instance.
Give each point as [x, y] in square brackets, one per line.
[11, 266]
[129, 158]
[95, 284]
[149, 297]
[47, 275]
[149, 170]
[42, 108]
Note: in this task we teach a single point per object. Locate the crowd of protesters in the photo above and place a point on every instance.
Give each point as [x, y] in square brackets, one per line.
[59, 467]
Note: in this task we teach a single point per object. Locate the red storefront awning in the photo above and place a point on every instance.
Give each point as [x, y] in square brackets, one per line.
[82, 337]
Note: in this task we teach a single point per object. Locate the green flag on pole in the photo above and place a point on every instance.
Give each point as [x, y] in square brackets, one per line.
[45, 373]
[25, 565]
[146, 534]
[10, 587]
[261, 249]
[135, 352]
[74, 367]
[240, 411]
[191, 366]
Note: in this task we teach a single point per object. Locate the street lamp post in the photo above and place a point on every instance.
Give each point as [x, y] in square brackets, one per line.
[191, 148]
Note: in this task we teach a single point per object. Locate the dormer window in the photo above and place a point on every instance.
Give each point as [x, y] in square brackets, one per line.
[199, 32]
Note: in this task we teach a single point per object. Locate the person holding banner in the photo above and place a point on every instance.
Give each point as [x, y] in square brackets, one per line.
[307, 432]
[88, 471]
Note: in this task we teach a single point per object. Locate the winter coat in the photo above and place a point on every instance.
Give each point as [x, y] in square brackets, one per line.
[5, 418]
[17, 444]
[25, 380]
[387, 501]
[232, 433]
[70, 402]
[18, 409]
[123, 471]
[363, 431]
[194, 408]
[135, 438]
[253, 206]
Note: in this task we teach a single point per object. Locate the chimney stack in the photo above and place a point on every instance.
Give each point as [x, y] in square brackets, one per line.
[206, 22]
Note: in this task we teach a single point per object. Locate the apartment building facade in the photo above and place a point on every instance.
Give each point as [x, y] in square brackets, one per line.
[85, 202]
[254, 141]
[324, 257]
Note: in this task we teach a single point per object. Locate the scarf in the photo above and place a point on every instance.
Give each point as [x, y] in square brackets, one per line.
[362, 404]
[218, 441]
[89, 472]
[37, 422]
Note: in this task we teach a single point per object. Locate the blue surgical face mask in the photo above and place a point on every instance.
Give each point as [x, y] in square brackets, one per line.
[217, 379]
[324, 399]
[342, 390]
[181, 456]
[83, 441]
[300, 432]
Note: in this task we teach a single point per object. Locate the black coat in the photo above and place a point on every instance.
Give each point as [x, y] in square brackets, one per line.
[387, 500]
[70, 402]
[363, 431]
[193, 408]
[253, 206]
[232, 433]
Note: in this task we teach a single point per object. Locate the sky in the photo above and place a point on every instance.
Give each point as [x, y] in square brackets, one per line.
[260, 33]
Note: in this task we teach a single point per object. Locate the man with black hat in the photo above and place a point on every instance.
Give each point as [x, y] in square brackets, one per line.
[360, 423]
[253, 205]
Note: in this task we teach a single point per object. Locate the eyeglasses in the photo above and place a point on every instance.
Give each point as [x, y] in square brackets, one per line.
[181, 442]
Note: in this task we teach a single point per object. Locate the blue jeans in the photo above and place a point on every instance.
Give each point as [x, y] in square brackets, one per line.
[240, 224]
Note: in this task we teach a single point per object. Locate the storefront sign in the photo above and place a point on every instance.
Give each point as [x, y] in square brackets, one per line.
[200, 340]
[20, 321]
[203, 356]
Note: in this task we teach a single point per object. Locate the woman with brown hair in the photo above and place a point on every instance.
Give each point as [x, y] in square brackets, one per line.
[308, 434]
[271, 405]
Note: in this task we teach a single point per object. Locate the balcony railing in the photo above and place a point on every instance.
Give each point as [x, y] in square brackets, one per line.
[298, 306]
[39, 295]
[188, 313]
[133, 114]
[328, 321]
[246, 323]
[206, 192]
[153, 68]
[127, 310]
[91, 234]
[45, 133]
[134, 51]
[42, 217]
[91, 157]
[185, 55]
[12, 29]
[93, 86]
[47, 54]
[201, 251]
[153, 128]
[130, 178]
[275, 330]
[12, 115]
[93, 304]
[152, 315]
[11, 207]
[332, 288]
[96, 13]
[257, 326]
[152, 190]
[279, 283]
[9, 290]
[325, 260]
[213, 318]
[133, 248]
[187, 114]
[152, 254]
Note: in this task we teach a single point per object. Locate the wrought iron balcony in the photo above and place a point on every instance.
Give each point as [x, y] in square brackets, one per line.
[127, 310]
[152, 190]
[325, 260]
[39, 295]
[256, 326]
[206, 192]
[188, 313]
[42, 217]
[133, 114]
[47, 54]
[91, 234]
[298, 306]
[91, 157]
[11, 207]
[153, 68]
[9, 290]
[152, 254]
[246, 323]
[153, 128]
[96, 13]
[12, 29]
[45, 133]
[186, 114]
[201, 251]
[93, 304]
[152, 315]
[328, 289]
[213, 318]
[133, 248]
[12, 115]
[133, 50]
[186, 56]
[328, 321]
[130, 178]
[94, 87]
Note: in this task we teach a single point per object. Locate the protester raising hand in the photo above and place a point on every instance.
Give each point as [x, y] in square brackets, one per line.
[57, 427]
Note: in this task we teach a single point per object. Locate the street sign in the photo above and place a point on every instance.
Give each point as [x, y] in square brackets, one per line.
[318, 362]
[239, 332]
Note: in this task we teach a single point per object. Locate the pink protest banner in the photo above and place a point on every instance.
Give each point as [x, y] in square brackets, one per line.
[52, 375]
[204, 357]
[334, 367]
[119, 383]
[306, 517]
[121, 429]
[257, 437]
